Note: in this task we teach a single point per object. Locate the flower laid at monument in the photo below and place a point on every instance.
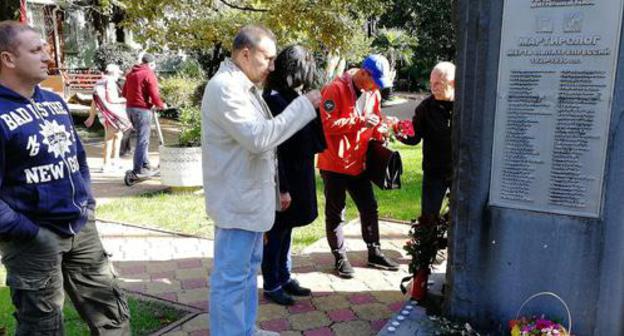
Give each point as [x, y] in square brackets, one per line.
[536, 326]
[426, 239]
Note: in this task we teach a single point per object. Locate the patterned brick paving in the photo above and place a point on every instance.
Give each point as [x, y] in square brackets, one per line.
[359, 306]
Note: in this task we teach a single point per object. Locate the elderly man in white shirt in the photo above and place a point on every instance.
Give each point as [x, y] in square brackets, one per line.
[239, 139]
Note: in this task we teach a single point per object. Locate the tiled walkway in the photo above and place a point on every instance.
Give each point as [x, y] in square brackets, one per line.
[176, 268]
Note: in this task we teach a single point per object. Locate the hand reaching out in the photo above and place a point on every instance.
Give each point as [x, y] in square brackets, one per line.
[314, 97]
[372, 120]
[285, 200]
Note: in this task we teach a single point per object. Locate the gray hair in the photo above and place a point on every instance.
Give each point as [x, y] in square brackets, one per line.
[147, 58]
[446, 69]
[250, 36]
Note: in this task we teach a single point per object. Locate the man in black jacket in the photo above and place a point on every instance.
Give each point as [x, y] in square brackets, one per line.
[432, 124]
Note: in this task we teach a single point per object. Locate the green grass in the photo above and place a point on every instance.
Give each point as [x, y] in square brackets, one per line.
[146, 316]
[184, 212]
[96, 132]
[177, 212]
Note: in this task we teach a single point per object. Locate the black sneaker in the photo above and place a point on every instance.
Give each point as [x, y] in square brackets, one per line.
[378, 260]
[280, 297]
[293, 288]
[343, 266]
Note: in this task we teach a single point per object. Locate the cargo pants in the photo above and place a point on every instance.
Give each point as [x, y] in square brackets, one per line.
[40, 269]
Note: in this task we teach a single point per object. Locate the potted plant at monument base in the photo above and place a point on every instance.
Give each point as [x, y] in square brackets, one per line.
[426, 239]
[181, 164]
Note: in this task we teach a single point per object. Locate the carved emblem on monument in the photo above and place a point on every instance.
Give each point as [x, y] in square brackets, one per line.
[573, 23]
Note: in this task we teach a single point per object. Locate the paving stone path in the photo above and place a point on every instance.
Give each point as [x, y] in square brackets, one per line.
[176, 268]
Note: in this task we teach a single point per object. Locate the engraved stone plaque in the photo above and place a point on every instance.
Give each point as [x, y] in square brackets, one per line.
[555, 87]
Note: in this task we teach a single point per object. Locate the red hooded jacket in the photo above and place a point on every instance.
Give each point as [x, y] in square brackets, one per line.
[141, 88]
[345, 129]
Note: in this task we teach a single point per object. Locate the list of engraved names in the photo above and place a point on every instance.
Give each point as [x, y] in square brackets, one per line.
[556, 74]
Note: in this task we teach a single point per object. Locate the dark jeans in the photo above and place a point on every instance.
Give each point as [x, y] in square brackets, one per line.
[361, 191]
[39, 269]
[433, 190]
[276, 262]
[141, 121]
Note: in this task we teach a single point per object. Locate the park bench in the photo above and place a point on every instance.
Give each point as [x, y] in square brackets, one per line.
[75, 86]
[79, 80]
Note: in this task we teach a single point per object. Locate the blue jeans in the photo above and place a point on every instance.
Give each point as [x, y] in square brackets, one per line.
[141, 120]
[276, 262]
[233, 289]
[433, 190]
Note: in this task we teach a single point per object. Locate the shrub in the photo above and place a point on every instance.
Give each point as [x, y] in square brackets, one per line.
[181, 66]
[198, 95]
[191, 68]
[118, 53]
[178, 90]
[190, 118]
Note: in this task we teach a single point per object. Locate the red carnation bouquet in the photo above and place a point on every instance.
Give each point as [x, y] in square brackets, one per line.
[404, 129]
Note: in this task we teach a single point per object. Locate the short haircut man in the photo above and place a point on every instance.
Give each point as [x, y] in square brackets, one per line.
[432, 125]
[147, 58]
[250, 36]
[48, 239]
[8, 32]
[141, 93]
[239, 138]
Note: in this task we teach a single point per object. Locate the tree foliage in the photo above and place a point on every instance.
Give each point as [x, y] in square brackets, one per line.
[116, 53]
[9, 9]
[432, 23]
[396, 44]
[99, 13]
[321, 25]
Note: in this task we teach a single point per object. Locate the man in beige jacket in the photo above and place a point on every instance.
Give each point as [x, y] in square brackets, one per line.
[239, 138]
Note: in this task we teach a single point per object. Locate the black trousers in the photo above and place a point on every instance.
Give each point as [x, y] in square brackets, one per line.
[361, 191]
[433, 191]
[276, 261]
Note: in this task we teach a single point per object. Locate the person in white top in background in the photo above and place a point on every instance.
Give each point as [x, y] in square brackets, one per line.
[112, 115]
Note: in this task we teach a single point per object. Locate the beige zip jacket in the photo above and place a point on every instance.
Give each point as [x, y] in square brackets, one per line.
[239, 139]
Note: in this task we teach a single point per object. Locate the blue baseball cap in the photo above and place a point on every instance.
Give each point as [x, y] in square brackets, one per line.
[379, 68]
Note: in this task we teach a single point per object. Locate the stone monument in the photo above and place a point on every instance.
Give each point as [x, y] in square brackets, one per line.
[539, 157]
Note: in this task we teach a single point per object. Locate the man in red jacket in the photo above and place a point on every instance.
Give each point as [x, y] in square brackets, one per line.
[351, 116]
[141, 93]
